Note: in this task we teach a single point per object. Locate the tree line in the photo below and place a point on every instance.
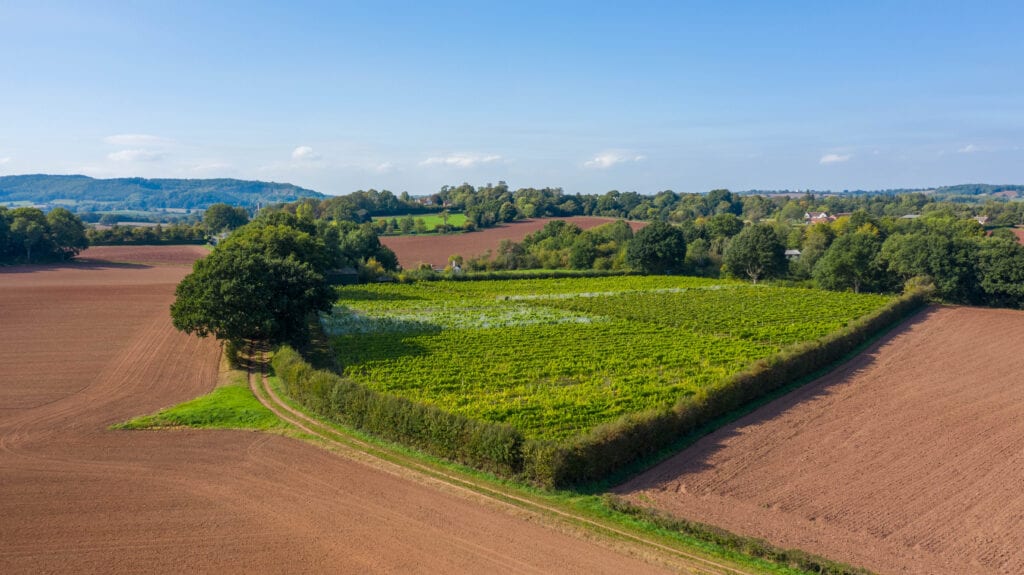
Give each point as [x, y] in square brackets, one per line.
[955, 258]
[27, 235]
[878, 243]
[216, 220]
[493, 204]
[147, 235]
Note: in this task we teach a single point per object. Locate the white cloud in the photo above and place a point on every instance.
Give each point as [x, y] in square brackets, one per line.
[384, 167]
[461, 160]
[136, 140]
[305, 154]
[834, 158]
[5, 160]
[970, 149]
[605, 160]
[135, 156]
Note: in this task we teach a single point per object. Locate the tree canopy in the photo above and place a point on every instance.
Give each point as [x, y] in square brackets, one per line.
[851, 262]
[658, 248]
[755, 253]
[223, 217]
[261, 283]
[27, 235]
[237, 293]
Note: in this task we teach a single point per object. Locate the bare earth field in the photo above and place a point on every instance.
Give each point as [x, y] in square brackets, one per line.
[908, 459]
[435, 249]
[87, 345]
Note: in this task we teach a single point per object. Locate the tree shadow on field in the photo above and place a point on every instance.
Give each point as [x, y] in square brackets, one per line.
[385, 340]
[698, 449]
[76, 264]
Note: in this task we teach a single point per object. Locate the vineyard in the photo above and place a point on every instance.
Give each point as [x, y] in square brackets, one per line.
[555, 358]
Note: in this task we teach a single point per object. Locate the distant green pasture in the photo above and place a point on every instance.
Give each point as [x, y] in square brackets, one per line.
[431, 220]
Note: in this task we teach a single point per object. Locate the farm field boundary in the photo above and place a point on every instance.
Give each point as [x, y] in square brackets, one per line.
[692, 552]
[906, 459]
[91, 345]
[580, 459]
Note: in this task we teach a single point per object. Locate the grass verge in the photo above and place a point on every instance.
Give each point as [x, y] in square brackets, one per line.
[231, 405]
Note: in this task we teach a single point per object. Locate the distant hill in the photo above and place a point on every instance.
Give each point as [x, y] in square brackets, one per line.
[85, 194]
[980, 189]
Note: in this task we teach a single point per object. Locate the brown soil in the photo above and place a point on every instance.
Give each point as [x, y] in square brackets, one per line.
[85, 346]
[908, 459]
[435, 249]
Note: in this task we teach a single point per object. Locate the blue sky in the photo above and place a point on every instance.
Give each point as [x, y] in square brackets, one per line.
[588, 96]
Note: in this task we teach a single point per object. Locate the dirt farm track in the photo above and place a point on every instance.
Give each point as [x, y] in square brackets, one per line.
[908, 459]
[90, 344]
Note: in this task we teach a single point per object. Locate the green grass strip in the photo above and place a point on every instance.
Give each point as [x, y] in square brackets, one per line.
[231, 406]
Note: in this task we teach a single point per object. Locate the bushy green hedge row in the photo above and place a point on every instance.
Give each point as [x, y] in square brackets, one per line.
[490, 446]
[427, 275]
[612, 446]
[747, 545]
[148, 242]
[586, 458]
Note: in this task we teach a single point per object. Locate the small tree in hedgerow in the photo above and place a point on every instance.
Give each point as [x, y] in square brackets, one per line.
[658, 248]
[755, 253]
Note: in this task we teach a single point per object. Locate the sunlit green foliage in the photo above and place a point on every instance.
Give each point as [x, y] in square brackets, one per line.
[27, 235]
[554, 358]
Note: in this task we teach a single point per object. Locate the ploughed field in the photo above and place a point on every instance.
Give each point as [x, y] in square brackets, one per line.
[89, 344]
[434, 249]
[557, 357]
[907, 459]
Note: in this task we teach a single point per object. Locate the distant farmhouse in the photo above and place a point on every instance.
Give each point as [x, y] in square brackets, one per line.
[818, 218]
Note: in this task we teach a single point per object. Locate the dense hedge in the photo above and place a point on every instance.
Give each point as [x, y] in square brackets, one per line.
[795, 558]
[430, 275]
[490, 446]
[610, 447]
[148, 242]
[586, 458]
